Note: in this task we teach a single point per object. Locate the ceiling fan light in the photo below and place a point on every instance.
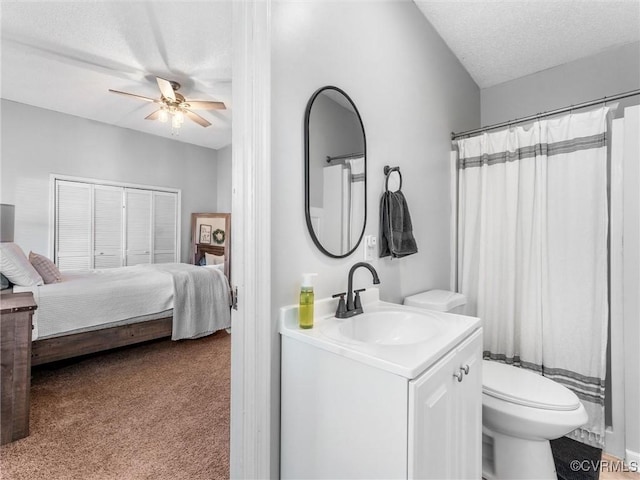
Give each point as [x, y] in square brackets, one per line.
[174, 107]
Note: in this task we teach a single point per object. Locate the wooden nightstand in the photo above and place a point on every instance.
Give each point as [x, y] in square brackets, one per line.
[16, 312]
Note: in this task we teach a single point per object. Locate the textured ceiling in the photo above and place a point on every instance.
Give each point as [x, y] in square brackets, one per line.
[498, 41]
[64, 56]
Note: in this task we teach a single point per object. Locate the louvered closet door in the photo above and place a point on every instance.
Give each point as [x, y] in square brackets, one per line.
[108, 216]
[164, 227]
[138, 205]
[73, 225]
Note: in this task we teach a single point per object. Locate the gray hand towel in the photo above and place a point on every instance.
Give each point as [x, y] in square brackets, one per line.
[396, 239]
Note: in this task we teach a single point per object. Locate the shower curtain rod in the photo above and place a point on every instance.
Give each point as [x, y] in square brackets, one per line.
[344, 157]
[546, 114]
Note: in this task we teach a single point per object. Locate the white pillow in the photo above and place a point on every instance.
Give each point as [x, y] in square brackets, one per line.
[16, 267]
[211, 259]
[216, 267]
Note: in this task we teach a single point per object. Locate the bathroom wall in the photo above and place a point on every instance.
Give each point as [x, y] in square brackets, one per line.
[38, 142]
[613, 71]
[631, 282]
[411, 92]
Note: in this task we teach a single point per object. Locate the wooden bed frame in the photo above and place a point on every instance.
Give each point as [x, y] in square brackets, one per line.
[76, 344]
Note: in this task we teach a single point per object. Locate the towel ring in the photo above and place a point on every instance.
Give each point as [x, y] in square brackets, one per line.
[388, 171]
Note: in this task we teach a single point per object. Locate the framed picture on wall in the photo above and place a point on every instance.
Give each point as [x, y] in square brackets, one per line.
[205, 234]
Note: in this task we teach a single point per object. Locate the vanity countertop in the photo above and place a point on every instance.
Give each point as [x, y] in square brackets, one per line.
[407, 358]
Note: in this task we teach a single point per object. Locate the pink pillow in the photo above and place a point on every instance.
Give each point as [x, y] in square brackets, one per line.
[45, 267]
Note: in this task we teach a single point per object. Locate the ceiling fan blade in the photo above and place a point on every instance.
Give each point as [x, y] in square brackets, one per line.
[146, 99]
[197, 118]
[166, 89]
[206, 105]
[154, 116]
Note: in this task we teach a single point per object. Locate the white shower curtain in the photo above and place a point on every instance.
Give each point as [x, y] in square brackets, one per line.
[532, 250]
[356, 203]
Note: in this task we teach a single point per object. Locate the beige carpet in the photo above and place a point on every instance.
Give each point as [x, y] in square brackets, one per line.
[155, 411]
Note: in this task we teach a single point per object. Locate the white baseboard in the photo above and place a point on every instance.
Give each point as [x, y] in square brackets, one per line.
[632, 458]
[614, 442]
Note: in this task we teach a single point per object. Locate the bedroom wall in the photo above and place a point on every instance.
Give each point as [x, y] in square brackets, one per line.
[224, 180]
[38, 142]
[613, 71]
[411, 92]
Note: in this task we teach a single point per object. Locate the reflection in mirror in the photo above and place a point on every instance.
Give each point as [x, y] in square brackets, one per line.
[211, 240]
[335, 172]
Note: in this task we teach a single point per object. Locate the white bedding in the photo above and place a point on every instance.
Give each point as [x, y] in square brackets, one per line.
[86, 300]
[200, 301]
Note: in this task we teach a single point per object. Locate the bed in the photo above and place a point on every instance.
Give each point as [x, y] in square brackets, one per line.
[90, 311]
[97, 310]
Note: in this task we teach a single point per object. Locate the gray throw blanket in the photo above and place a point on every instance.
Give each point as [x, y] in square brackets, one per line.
[396, 239]
[200, 300]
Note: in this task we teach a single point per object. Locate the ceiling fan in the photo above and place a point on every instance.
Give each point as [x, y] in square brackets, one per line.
[174, 106]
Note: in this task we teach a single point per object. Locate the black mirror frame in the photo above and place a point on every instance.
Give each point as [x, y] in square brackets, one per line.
[307, 212]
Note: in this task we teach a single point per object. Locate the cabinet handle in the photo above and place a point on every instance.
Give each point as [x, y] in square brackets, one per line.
[458, 375]
[465, 369]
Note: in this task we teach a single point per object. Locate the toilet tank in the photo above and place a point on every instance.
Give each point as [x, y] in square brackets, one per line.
[438, 300]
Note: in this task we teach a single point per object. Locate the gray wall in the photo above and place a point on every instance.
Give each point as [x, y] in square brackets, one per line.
[614, 71]
[631, 285]
[38, 142]
[224, 180]
[411, 92]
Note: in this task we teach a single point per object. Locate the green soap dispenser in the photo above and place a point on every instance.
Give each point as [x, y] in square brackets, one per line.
[305, 312]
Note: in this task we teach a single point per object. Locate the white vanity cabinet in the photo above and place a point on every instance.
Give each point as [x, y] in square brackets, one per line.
[339, 418]
[364, 411]
[445, 416]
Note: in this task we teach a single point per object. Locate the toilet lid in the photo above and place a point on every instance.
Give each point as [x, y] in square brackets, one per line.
[522, 387]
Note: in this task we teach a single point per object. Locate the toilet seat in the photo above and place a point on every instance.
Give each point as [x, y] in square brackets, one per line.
[522, 387]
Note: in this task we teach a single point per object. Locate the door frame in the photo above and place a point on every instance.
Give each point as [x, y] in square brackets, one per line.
[251, 453]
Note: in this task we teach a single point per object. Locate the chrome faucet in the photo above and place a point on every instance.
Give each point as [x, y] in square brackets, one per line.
[353, 305]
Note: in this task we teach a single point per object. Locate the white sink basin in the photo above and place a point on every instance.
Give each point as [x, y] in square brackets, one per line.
[389, 328]
[396, 338]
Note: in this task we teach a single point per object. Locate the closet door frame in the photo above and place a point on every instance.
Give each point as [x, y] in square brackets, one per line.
[54, 177]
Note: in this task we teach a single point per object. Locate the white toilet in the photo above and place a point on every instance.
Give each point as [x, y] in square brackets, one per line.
[521, 411]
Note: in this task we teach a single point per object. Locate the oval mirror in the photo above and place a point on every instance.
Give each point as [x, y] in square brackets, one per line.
[335, 172]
